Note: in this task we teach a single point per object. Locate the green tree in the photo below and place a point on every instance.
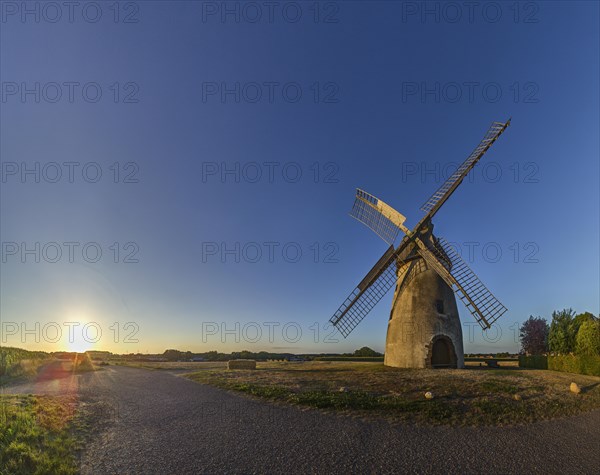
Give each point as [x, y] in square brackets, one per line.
[587, 341]
[366, 351]
[534, 336]
[561, 337]
[578, 320]
[173, 355]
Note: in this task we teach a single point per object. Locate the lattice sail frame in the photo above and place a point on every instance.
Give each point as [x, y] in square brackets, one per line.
[378, 281]
[443, 192]
[480, 302]
[384, 220]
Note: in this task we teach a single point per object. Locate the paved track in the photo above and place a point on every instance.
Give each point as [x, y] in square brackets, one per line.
[157, 422]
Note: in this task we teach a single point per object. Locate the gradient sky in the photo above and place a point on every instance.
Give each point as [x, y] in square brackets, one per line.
[380, 107]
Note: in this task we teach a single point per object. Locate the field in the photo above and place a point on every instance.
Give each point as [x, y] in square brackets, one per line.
[460, 397]
[172, 365]
[15, 362]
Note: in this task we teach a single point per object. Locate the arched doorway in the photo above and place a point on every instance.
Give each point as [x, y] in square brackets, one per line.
[442, 354]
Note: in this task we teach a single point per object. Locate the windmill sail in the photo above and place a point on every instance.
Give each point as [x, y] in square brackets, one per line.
[379, 280]
[443, 193]
[393, 269]
[480, 302]
[377, 215]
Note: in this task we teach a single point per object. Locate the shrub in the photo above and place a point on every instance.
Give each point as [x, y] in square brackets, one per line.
[587, 341]
[561, 337]
[83, 363]
[581, 364]
[11, 361]
[533, 361]
[534, 335]
[365, 351]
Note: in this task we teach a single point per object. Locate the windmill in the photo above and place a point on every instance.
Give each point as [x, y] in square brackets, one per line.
[424, 328]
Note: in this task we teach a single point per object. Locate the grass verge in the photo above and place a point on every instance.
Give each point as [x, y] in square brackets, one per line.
[461, 397]
[36, 435]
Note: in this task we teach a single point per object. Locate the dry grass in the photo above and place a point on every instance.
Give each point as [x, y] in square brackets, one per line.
[502, 364]
[466, 397]
[173, 365]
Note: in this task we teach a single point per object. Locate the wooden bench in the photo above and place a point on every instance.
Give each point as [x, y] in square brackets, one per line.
[492, 363]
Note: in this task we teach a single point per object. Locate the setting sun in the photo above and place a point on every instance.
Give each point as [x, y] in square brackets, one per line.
[79, 345]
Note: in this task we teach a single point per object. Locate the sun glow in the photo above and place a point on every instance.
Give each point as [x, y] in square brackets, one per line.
[79, 345]
[80, 332]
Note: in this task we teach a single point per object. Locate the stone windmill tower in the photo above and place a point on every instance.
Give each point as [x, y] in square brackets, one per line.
[424, 329]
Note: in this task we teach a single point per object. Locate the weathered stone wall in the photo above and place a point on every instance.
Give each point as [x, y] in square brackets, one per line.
[415, 321]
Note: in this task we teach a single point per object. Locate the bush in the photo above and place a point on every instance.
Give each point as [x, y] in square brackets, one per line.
[15, 361]
[581, 364]
[587, 341]
[561, 338]
[533, 361]
[533, 335]
[83, 363]
[365, 351]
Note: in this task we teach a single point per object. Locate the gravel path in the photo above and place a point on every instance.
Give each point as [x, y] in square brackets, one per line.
[158, 422]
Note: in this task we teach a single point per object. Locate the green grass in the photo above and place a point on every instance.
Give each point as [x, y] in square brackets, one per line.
[498, 386]
[461, 397]
[36, 436]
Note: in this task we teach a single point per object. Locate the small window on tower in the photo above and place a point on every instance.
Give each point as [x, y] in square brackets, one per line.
[439, 305]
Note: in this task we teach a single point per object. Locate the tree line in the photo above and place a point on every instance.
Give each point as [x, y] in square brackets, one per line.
[567, 333]
[177, 355]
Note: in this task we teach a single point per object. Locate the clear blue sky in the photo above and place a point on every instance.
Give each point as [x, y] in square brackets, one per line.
[387, 93]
